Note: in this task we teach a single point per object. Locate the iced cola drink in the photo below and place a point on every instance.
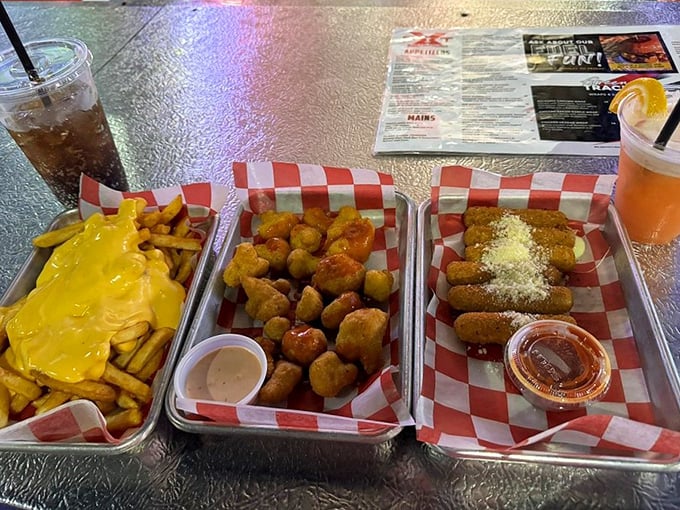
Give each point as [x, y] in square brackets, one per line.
[648, 184]
[59, 123]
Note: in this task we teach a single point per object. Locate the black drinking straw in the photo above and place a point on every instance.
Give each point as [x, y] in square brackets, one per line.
[21, 51]
[668, 128]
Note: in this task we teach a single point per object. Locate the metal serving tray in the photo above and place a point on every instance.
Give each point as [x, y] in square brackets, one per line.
[24, 282]
[663, 382]
[205, 325]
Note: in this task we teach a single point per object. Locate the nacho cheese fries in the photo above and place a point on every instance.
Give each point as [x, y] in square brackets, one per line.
[103, 310]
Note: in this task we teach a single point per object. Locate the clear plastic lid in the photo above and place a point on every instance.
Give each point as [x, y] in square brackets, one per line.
[57, 61]
[557, 365]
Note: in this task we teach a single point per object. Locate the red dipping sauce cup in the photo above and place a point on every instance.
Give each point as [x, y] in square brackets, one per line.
[557, 366]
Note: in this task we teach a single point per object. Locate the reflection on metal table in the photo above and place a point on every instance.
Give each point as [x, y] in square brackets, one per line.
[188, 89]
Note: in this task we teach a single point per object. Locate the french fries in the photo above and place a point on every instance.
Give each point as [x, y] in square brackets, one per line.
[91, 390]
[58, 236]
[156, 341]
[136, 351]
[18, 403]
[151, 366]
[127, 383]
[120, 421]
[4, 405]
[170, 241]
[52, 399]
[126, 339]
[19, 384]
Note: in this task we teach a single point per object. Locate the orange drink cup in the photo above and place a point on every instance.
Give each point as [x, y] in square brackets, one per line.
[648, 186]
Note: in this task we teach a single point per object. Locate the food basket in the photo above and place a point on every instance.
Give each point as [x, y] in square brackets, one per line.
[73, 428]
[369, 415]
[465, 405]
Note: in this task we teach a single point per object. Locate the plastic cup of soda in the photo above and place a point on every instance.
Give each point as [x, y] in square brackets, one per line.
[58, 121]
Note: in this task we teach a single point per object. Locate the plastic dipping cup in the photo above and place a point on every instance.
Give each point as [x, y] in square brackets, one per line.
[227, 368]
[557, 366]
[647, 193]
[59, 123]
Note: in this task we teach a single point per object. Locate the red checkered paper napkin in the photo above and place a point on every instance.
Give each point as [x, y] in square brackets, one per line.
[376, 405]
[81, 420]
[467, 401]
[203, 199]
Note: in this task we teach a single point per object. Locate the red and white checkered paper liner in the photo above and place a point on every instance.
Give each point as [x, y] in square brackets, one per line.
[81, 420]
[376, 405]
[467, 401]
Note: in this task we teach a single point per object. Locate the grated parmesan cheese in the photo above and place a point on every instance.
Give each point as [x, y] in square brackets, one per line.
[516, 262]
[518, 319]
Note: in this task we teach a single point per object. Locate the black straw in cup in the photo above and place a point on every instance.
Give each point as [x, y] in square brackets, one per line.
[21, 51]
[668, 128]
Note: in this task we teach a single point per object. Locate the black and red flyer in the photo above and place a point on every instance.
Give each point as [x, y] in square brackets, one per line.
[517, 91]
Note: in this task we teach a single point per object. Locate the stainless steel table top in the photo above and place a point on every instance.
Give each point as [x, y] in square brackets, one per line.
[188, 89]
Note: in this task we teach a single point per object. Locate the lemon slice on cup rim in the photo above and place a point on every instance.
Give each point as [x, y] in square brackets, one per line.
[649, 92]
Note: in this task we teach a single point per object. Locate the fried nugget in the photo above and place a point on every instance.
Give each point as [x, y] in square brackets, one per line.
[562, 257]
[276, 224]
[464, 272]
[317, 218]
[264, 301]
[338, 273]
[354, 238]
[336, 310]
[301, 264]
[285, 377]
[305, 238]
[275, 327]
[303, 344]
[275, 250]
[246, 262]
[281, 284]
[270, 351]
[309, 306]
[378, 285]
[346, 214]
[480, 298]
[544, 236]
[329, 375]
[480, 215]
[497, 327]
[360, 338]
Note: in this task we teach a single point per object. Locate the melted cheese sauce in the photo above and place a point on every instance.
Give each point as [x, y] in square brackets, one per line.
[93, 285]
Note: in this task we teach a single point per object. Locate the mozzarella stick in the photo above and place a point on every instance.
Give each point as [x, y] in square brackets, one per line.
[544, 236]
[535, 217]
[478, 298]
[464, 272]
[497, 327]
[562, 257]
